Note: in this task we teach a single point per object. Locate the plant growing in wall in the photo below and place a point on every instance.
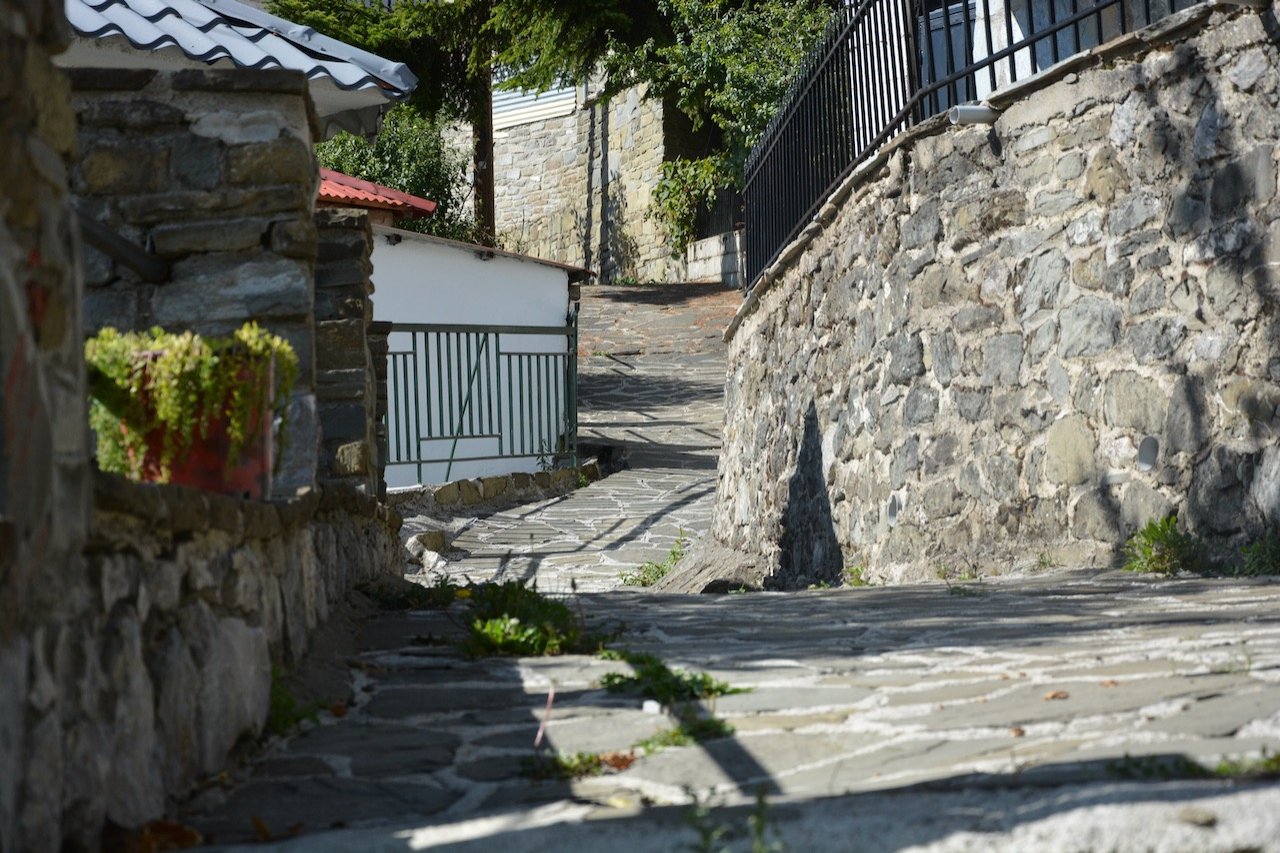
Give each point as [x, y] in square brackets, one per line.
[178, 407]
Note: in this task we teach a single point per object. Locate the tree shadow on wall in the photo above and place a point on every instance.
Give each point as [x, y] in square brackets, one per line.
[810, 548]
[1221, 179]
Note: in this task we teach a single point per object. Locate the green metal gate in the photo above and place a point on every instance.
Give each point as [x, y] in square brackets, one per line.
[467, 394]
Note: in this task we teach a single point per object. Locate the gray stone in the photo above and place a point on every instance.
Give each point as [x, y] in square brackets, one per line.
[905, 463]
[1132, 212]
[1090, 326]
[920, 407]
[230, 291]
[1248, 69]
[1189, 421]
[1131, 401]
[942, 500]
[945, 357]
[135, 788]
[1044, 282]
[301, 447]
[1069, 451]
[973, 404]
[1042, 341]
[1264, 491]
[1002, 360]
[906, 358]
[974, 317]
[923, 227]
[1148, 297]
[13, 700]
[1156, 340]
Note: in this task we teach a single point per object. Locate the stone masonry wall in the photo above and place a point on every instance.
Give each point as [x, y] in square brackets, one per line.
[44, 479]
[575, 188]
[958, 363]
[188, 600]
[213, 172]
[346, 381]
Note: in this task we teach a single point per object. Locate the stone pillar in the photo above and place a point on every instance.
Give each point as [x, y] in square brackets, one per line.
[214, 171]
[44, 485]
[345, 377]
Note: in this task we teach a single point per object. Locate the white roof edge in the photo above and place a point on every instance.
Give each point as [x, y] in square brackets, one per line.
[575, 273]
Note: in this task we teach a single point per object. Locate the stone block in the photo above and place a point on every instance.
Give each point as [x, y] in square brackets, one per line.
[1070, 448]
[494, 487]
[348, 273]
[920, 407]
[470, 492]
[1131, 401]
[218, 235]
[1002, 360]
[139, 114]
[1156, 340]
[293, 238]
[906, 358]
[351, 459]
[284, 160]
[340, 344]
[196, 163]
[1089, 326]
[1044, 282]
[122, 169]
[231, 290]
[134, 788]
[343, 384]
[340, 422]
[301, 449]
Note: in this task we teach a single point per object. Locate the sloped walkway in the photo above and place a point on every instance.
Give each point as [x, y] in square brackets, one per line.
[1052, 714]
[1048, 713]
[651, 379]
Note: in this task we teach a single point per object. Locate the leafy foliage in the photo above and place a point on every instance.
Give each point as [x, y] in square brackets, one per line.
[727, 66]
[690, 731]
[655, 680]
[1161, 548]
[1262, 556]
[412, 155]
[564, 765]
[180, 384]
[650, 573]
[285, 712]
[514, 619]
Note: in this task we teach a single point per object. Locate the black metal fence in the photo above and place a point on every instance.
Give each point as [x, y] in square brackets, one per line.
[885, 65]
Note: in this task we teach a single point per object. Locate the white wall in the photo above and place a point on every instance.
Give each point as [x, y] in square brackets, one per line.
[420, 279]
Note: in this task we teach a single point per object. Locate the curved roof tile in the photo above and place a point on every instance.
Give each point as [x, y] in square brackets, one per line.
[211, 30]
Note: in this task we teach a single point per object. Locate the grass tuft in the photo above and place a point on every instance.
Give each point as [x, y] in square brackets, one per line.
[513, 618]
[653, 679]
[650, 573]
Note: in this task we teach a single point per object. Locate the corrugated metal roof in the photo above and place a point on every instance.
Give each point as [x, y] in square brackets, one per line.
[214, 31]
[337, 188]
[512, 108]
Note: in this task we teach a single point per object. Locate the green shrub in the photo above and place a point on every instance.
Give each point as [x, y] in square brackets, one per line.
[1160, 548]
[1262, 556]
[690, 731]
[513, 618]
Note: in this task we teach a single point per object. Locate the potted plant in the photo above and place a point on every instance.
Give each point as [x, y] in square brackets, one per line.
[177, 407]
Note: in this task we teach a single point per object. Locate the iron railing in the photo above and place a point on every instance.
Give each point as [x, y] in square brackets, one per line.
[883, 66]
[463, 393]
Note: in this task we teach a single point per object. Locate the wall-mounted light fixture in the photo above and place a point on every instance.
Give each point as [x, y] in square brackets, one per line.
[1148, 450]
[895, 506]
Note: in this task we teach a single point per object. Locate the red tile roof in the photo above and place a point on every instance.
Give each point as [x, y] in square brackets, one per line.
[337, 188]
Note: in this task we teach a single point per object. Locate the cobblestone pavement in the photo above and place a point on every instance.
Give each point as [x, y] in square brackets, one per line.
[651, 379]
[1038, 713]
[1054, 712]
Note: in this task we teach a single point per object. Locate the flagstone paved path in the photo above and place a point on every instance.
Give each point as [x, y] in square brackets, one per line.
[651, 380]
[1053, 712]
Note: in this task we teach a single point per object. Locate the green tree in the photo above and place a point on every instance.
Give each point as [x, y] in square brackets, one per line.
[445, 43]
[411, 154]
[727, 67]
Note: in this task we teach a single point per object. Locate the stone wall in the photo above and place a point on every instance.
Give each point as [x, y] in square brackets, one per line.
[575, 188]
[165, 660]
[213, 172]
[346, 379]
[44, 484]
[957, 364]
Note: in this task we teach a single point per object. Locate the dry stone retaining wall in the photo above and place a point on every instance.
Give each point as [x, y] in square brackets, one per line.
[959, 362]
[576, 188]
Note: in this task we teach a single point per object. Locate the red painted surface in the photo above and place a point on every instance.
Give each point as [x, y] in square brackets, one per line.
[337, 188]
[205, 464]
